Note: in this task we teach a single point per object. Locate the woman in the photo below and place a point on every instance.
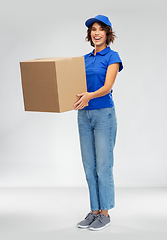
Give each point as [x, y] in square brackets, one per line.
[97, 121]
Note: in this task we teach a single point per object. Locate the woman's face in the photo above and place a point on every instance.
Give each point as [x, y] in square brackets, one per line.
[98, 35]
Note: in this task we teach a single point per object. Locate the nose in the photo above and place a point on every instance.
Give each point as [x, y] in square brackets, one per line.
[97, 31]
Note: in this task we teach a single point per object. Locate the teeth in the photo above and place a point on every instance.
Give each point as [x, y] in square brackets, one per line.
[97, 38]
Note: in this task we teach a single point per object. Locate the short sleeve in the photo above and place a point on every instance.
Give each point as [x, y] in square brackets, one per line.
[115, 58]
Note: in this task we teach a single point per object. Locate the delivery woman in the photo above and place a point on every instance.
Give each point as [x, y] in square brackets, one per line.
[97, 122]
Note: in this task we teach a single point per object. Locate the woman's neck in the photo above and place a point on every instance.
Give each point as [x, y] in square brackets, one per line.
[99, 48]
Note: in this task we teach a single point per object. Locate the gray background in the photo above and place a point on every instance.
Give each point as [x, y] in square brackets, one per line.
[42, 149]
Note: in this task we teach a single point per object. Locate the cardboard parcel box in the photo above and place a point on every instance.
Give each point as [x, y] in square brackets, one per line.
[51, 84]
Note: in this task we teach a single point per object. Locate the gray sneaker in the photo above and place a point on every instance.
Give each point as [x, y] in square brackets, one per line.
[100, 222]
[90, 217]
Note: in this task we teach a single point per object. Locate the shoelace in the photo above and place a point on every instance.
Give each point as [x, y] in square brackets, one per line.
[100, 218]
[89, 215]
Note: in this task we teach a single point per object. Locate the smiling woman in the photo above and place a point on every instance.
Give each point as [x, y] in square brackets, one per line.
[110, 34]
[97, 121]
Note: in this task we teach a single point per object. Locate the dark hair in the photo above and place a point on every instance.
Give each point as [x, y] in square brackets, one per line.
[109, 33]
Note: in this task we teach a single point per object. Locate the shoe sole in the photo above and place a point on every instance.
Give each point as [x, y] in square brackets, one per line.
[80, 226]
[97, 229]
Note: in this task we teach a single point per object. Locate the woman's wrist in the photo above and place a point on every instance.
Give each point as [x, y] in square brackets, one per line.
[91, 95]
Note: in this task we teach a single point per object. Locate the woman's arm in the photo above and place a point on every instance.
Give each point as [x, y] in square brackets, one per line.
[85, 97]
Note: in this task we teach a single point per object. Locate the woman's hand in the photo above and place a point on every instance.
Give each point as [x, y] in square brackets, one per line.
[83, 101]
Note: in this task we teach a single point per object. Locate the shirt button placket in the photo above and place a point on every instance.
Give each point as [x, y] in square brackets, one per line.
[94, 58]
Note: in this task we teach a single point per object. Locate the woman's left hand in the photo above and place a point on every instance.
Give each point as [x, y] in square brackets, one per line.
[83, 101]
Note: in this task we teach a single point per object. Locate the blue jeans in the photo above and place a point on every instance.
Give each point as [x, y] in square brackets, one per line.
[97, 132]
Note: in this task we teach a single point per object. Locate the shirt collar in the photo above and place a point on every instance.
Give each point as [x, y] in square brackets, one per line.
[103, 52]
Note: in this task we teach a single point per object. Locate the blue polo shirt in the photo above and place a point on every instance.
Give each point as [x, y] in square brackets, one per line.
[96, 69]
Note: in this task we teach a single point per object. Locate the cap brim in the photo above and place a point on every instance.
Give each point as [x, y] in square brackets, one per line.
[90, 21]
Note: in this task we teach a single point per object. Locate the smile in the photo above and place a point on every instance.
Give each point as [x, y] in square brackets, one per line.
[97, 38]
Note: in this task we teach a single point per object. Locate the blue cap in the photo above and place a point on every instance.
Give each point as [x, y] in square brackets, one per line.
[98, 18]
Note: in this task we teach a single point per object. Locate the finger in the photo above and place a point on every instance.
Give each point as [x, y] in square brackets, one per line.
[80, 106]
[80, 94]
[78, 102]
